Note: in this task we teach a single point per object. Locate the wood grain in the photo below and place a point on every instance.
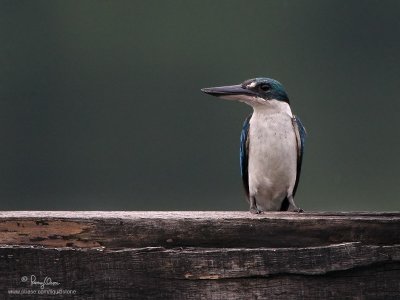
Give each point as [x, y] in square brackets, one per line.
[117, 230]
[202, 255]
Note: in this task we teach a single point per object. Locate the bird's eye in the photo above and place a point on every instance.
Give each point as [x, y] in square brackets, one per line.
[264, 87]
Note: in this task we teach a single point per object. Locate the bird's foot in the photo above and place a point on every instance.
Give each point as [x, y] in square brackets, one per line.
[298, 210]
[253, 206]
[292, 206]
[255, 210]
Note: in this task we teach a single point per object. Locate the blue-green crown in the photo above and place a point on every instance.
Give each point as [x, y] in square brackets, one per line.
[266, 88]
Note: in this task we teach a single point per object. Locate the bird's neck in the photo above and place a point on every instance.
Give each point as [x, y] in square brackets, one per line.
[271, 107]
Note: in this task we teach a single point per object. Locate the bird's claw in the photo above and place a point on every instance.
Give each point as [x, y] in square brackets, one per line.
[255, 210]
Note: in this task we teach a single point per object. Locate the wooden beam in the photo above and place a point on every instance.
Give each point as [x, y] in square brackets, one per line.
[118, 230]
[200, 255]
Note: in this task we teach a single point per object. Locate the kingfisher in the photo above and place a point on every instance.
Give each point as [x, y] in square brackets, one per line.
[271, 144]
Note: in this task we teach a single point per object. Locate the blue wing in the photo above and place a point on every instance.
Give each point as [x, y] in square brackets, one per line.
[244, 154]
[301, 137]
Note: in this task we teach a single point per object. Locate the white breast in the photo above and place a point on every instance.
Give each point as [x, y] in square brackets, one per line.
[272, 154]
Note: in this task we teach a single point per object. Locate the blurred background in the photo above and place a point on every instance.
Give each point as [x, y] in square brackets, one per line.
[101, 109]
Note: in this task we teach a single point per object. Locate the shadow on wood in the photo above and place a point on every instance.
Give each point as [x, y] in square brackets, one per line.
[199, 255]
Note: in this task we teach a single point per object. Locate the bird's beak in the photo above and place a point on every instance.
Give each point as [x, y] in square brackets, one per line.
[233, 92]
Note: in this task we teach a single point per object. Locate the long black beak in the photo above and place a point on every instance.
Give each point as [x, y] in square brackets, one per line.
[229, 90]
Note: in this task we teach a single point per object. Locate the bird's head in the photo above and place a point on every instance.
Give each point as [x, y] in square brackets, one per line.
[257, 91]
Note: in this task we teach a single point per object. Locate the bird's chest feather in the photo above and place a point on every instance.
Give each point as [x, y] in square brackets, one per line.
[272, 152]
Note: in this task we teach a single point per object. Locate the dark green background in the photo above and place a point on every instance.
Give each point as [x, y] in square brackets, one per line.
[100, 102]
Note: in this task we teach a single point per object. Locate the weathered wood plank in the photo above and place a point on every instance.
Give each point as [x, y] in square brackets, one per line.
[196, 229]
[329, 272]
[201, 255]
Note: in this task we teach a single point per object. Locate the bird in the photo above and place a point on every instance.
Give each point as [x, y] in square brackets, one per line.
[271, 144]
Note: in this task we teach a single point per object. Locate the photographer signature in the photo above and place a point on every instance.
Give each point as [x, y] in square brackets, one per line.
[47, 281]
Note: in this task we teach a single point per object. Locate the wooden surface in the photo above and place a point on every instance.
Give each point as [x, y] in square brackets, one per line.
[200, 255]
